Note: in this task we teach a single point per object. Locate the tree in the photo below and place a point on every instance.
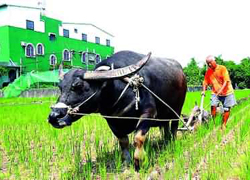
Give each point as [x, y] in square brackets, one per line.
[232, 68]
[244, 67]
[239, 74]
[219, 60]
[193, 73]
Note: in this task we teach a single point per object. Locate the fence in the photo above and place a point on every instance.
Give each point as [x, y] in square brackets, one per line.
[37, 93]
[194, 88]
[40, 93]
[55, 92]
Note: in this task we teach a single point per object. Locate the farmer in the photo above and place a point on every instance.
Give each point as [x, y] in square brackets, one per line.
[222, 91]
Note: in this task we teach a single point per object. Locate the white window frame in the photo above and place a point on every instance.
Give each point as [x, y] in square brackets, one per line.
[65, 30]
[52, 55]
[91, 61]
[37, 52]
[28, 25]
[86, 60]
[108, 42]
[97, 40]
[26, 47]
[64, 57]
[86, 36]
[100, 58]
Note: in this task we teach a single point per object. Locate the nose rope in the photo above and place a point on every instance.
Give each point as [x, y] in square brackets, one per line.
[76, 109]
[136, 81]
[70, 109]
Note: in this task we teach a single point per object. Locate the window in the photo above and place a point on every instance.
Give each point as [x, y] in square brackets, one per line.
[107, 42]
[30, 50]
[91, 58]
[40, 49]
[97, 40]
[52, 59]
[52, 37]
[84, 57]
[66, 33]
[84, 37]
[66, 55]
[30, 24]
[97, 58]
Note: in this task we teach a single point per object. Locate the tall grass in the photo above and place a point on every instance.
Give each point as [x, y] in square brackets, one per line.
[32, 149]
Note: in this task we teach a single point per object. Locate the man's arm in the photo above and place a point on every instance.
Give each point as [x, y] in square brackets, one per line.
[205, 84]
[222, 87]
[204, 87]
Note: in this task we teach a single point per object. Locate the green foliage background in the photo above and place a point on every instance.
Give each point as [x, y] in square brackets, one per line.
[3, 71]
[239, 73]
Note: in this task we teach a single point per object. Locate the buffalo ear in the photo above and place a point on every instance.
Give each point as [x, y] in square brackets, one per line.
[61, 73]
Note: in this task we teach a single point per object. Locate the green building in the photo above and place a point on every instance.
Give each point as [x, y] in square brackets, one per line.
[31, 41]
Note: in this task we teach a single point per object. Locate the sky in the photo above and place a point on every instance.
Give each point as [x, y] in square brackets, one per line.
[179, 29]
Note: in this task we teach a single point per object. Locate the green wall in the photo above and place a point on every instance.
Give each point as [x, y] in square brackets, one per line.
[4, 44]
[41, 63]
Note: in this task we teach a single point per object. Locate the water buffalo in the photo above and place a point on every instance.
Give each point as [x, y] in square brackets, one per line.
[105, 91]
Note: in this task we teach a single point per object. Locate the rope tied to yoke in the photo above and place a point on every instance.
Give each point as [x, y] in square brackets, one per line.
[135, 82]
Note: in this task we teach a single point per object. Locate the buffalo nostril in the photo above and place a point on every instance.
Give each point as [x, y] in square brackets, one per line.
[53, 116]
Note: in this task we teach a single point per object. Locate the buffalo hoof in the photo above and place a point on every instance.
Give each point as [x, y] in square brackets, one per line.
[137, 165]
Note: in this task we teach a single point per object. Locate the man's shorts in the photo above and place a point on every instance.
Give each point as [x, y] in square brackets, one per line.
[227, 101]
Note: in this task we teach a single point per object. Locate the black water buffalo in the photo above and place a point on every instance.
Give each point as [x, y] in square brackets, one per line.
[105, 91]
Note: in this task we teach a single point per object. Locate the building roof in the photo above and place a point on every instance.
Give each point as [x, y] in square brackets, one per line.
[9, 64]
[89, 24]
[20, 6]
[30, 7]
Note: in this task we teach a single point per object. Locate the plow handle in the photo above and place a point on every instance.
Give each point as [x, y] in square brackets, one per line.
[201, 108]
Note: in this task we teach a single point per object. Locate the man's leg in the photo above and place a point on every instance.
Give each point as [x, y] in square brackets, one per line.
[213, 112]
[225, 117]
[229, 102]
[214, 103]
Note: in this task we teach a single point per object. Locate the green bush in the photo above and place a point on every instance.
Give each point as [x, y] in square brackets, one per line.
[3, 71]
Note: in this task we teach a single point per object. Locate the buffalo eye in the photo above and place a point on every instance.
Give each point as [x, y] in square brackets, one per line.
[86, 87]
[76, 85]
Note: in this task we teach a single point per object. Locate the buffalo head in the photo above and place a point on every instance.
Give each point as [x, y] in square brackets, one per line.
[80, 90]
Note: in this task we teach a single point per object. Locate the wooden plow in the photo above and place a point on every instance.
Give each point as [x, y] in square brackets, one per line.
[197, 116]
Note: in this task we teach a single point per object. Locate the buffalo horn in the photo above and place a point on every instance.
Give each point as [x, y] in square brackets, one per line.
[116, 73]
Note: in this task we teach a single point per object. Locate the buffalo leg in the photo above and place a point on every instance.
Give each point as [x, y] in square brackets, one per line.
[170, 130]
[139, 150]
[167, 132]
[174, 128]
[140, 136]
[124, 143]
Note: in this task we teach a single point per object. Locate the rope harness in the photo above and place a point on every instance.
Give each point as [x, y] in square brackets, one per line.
[135, 82]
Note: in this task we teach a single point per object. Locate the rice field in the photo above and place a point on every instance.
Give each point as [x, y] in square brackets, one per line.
[30, 148]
